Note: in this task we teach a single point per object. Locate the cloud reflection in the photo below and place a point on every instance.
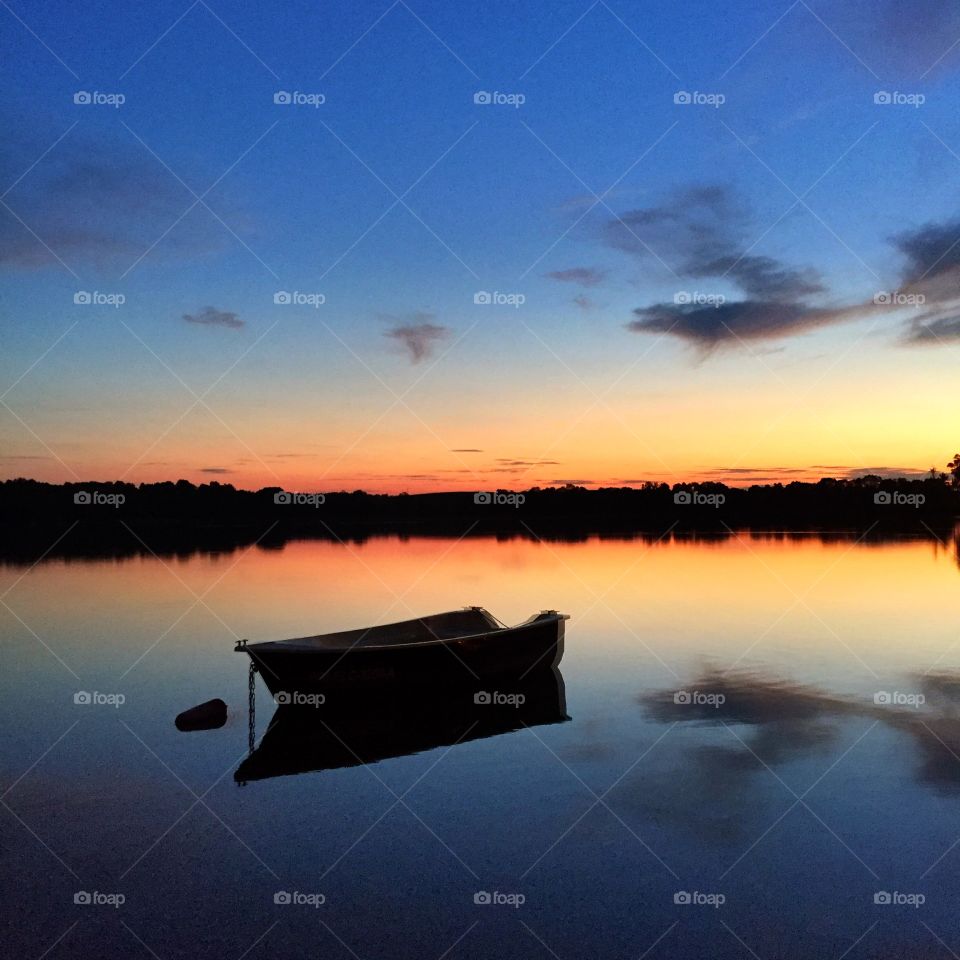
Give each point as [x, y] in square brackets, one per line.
[774, 721]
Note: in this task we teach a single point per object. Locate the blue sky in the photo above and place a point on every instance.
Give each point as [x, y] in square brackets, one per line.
[807, 183]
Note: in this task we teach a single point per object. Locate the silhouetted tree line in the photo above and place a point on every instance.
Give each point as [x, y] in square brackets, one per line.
[118, 518]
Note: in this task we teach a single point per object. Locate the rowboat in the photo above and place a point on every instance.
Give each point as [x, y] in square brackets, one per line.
[462, 645]
[364, 723]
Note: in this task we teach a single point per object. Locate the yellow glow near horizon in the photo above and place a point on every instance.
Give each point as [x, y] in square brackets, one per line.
[728, 419]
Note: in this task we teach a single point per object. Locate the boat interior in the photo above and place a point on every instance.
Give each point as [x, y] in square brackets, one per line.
[439, 626]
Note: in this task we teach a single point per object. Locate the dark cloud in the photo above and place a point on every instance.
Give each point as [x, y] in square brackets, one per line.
[420, 336]
[932, 267]
[211, 317]
[761, 277]
[215, 470]
[526, 463]
[931, 278]
[930, 250]
[733, 323]
[465, 450]
[700, 232]
[585, 276]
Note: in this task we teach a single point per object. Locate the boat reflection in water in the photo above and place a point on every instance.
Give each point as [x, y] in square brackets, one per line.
[356, 697]
[351, 726]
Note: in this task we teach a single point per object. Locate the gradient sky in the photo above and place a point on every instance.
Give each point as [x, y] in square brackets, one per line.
[599, 200]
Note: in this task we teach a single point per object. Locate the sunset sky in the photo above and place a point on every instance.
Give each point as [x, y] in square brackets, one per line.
[762, 288]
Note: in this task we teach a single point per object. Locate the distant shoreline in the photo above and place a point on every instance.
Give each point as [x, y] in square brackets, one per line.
[99, 519]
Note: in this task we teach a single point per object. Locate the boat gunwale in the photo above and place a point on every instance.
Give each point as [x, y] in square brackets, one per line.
[302, 644]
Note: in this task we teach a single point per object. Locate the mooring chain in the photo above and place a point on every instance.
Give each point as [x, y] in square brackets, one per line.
[251, 709]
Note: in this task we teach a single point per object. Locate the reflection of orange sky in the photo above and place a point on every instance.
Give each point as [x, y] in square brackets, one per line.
[853, 606]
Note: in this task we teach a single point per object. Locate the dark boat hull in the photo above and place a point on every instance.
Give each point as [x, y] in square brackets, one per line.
[463, 660]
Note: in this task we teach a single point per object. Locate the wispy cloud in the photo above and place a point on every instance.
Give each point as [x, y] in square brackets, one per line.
[520, 465]
[585, 276]
[94, 202]
[888, 473]
[419, 335]
[212, 317]
[909, 38]
[694, 224]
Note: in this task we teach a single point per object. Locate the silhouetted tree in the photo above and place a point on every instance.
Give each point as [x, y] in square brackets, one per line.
[954, 467]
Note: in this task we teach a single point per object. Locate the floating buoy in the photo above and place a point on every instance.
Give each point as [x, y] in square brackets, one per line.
[204, 716]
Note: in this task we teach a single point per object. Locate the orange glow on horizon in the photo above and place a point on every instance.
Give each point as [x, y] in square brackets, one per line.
[705, 426]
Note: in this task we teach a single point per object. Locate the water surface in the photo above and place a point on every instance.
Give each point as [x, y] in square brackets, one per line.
[770, 722]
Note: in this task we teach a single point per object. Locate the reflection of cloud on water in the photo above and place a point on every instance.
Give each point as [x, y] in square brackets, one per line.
[718, 786]
[742, 697]
[703, 796]
[772, 721]
[774, 743]
[941, 687]
[935, 730]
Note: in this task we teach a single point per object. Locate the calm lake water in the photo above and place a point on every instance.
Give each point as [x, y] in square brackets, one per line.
[768, 727]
